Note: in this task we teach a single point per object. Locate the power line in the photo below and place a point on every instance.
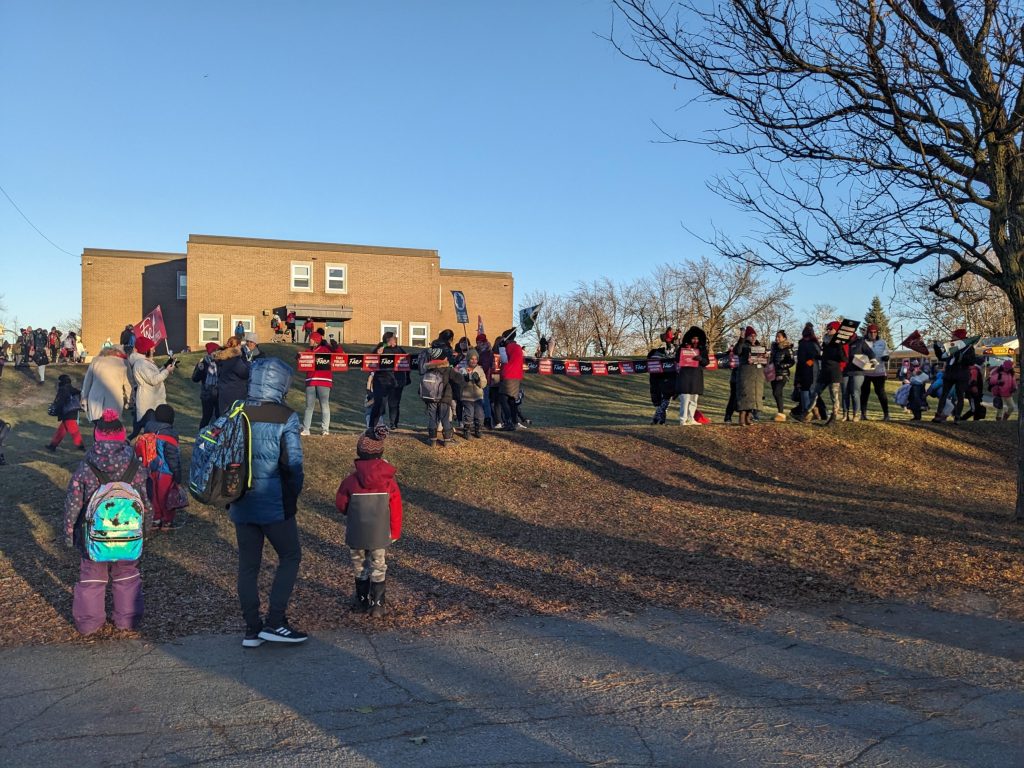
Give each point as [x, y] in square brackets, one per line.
[26, 218]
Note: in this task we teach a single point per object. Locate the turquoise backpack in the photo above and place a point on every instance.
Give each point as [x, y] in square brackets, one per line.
[114, 518]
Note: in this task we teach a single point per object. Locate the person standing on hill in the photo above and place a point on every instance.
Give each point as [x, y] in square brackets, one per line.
[782, 362]
[808, 364]
[267, 510]
[107, 384]
[691, 358]
[834, 357]
[875, 377]
[732, 362]
[388, 383]
[232, 374]
[150, 390]
[66, 406]
[750, 382]
[662, 384]
[205, 374]
[483, 346]
[512, 362]
[1003, 385]
[53, 343]
[318, 386]
[956, 375]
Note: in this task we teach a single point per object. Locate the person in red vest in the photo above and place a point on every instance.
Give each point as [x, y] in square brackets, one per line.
[318, 384]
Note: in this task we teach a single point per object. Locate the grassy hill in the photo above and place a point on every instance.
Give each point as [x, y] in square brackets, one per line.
[591, 510]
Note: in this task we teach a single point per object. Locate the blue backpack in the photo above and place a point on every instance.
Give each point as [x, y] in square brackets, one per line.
[221, 470]
[114, 518]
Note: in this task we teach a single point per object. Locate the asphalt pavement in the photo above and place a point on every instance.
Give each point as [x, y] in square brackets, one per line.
[854, 685]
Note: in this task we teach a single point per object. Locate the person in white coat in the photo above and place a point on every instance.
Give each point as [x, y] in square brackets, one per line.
[876, 376]
[106, 384]
[148, 379]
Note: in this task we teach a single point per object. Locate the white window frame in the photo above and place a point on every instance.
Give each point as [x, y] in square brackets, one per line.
[426, 334]
[203, 330]
[251, 319]
[391, 325]
[309, 276]
[328, 278]
[182, 284]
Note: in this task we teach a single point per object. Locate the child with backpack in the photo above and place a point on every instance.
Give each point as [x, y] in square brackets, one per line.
[1003, 384]
[157, 449]
[372, 504]
[917, 399]
[472, 395]
[65, 406]
[437, 394]
[106, 515]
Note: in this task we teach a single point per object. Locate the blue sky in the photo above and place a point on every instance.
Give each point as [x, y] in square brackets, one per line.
[508, 136]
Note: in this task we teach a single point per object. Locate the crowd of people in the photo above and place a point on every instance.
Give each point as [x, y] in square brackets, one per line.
[39, 347]
[845, 368]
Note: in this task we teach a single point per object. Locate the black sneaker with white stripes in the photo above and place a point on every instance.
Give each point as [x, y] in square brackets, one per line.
[283, 634]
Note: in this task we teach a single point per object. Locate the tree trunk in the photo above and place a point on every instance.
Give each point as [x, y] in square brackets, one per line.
[1018, 314]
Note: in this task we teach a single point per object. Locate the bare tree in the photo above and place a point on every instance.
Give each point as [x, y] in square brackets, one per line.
[821, 315]
[883, 132]
[968, 302]
[722, 297]
[603, 308]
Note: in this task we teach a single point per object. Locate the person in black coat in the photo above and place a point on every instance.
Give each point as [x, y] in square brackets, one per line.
[232, 375]
[663, 385]
[956, 376]
[782, 360]
[808, 363]
[691, 358]
[834, 357]
[388, 384]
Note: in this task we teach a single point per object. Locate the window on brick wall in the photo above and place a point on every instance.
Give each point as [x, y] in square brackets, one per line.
[182, 285]
[419, 334]
[391, 325]
[336, 278]
[302, 276]
[248, 323]
[210, 328]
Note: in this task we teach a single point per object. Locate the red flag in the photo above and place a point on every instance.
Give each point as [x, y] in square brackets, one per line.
[479, 324]
[152, 327]
[916, 343]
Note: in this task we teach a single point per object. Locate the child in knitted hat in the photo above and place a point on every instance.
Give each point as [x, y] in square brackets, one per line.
[65, 406]
[372, 503]
[108, 463]
[471, 394]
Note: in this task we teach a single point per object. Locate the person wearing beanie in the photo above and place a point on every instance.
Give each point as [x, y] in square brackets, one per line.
[753, 357]
[512, 365]
[662, 385]
[266, 512]
[808, 364]
[875, 377]
[834, 357]
[109, 458]
[205, 375]
[157, 449]
[959, 358]
[483, 347]
[691, 359]
[372, 503]
[438, 393]
[860, 360]
[782, 361]
[471, 394]
[148, 382]
[318, 385]
[65, 407]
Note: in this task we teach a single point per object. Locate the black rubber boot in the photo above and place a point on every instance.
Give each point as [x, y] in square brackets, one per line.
[377, 594]
[361, 600]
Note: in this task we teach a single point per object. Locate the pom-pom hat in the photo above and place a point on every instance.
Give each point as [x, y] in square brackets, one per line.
[370, 444]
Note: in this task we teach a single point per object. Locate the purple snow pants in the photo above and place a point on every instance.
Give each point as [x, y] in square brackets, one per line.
[89, 606]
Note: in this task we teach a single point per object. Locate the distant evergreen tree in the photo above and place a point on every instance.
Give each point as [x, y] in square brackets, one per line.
[876, 316]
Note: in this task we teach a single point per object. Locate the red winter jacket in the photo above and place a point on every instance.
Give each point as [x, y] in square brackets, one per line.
[373, 476]
[321, 377]
[513, 369]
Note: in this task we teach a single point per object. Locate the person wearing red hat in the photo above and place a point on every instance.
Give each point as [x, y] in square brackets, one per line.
[834, 357]
[959, 358]
[318, 385]
[148, 390]
[875, 377]
[205, 375]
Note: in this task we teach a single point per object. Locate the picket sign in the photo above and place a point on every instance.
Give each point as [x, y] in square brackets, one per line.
[341, 362]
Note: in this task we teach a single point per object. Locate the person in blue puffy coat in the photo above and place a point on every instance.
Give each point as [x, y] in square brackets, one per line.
[267, 510]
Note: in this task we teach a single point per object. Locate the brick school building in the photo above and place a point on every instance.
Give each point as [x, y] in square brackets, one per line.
[356, 291]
